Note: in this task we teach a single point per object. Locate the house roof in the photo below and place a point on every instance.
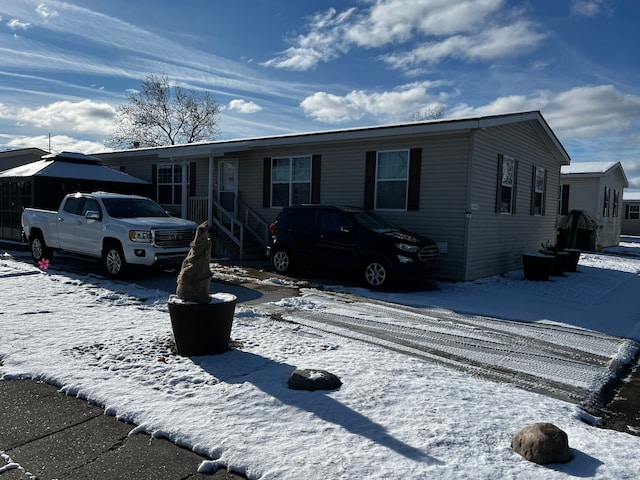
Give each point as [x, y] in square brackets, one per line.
[593, 169]
[631, 197]
[19, 152]
[219, 148]
[70, 165]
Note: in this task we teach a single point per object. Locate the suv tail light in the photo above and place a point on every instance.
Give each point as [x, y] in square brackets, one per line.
[272, 228]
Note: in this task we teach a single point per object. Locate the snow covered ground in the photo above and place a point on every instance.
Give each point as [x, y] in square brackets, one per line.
[396, 415]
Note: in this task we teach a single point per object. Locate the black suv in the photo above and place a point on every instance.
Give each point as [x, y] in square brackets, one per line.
[351, 239]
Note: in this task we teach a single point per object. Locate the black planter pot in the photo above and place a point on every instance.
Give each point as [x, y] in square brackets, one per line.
[561, 260]
[537, 266]
[574, 257]
[202, 328]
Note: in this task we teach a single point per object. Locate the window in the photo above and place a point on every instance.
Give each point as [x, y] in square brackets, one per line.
[537, 193]
[507, 176]
[290, 181]
[605, 205]
[170, 184]
[633, 212]
[392, 180]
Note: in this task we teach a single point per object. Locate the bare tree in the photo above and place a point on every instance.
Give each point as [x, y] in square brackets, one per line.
[429, 113]
[164, 114]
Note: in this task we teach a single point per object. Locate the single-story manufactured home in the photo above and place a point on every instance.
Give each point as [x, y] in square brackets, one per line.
[485, 189]
[596, 188]
[631, 209]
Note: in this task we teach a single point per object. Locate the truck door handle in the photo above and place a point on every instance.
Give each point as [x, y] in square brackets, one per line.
[60, 219]
[78, 222]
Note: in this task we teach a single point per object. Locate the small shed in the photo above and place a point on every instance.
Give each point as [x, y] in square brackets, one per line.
[595, 188]
[45, 182]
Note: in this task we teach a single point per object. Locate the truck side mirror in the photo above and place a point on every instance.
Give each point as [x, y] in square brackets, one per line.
[92, 215]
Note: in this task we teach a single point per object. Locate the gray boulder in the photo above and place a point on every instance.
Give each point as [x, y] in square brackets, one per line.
[311, 379]
[542, 443]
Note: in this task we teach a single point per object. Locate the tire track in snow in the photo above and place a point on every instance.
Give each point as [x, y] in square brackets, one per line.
[568, 363]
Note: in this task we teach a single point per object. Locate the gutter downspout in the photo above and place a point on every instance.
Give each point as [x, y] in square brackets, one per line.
[184, 192]
[210, 191]
[469, 212]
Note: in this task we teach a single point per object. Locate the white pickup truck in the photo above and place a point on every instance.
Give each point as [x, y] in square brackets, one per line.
[120, 229]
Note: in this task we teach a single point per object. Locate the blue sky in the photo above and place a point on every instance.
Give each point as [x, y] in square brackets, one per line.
[307, 65]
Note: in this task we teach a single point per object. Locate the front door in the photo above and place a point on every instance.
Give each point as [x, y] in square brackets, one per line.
[228, 184]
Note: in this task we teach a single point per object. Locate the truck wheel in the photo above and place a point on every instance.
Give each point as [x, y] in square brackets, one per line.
[376, 274]
[114, 261]
[282, 261]
[38, 248]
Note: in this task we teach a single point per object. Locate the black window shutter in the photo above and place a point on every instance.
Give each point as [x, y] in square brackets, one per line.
[499, 187]
[370, 180]
[192, 179]
[544, 194]
[315, 178]
[514, 192]
[154, 180]
[532, 210]
[565, 200]
[266, 183]
[415, 164]
[626, 212]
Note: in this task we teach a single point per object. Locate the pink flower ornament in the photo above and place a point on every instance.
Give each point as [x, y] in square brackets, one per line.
[44, 264]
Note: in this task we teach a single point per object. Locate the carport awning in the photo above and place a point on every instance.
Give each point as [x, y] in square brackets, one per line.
[70, 165]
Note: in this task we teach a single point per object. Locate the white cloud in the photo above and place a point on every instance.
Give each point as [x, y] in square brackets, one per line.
[58, 143]
[399, 103]
[578, 113]
[511, 40]
[45, 12]
[591, 8]
[15, 24]
[85, 116]
[243, 106]
[463, 29]
[396, 21]
[322, 44]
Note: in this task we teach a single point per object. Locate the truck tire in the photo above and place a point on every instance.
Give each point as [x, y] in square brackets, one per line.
[113, 260]
[38, 247]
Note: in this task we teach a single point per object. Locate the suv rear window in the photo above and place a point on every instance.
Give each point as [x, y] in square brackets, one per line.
[298, 217]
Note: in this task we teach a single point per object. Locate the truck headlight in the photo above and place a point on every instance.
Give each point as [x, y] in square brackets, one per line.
[405, 247]
[140, 236]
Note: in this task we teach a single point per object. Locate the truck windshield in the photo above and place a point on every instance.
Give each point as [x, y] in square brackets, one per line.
[133, 208]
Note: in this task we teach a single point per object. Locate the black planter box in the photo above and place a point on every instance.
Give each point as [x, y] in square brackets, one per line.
[202, 328]
[537, 266]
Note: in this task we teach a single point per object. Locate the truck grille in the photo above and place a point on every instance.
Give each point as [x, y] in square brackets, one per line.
[173, 238]
[429, 253]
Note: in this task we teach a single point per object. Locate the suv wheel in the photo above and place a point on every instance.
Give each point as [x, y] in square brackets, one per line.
[282, 261]
[376, 274]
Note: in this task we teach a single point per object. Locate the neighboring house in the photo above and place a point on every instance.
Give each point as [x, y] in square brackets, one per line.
[597, 188]
[484, 188]
[20, 156]
[631, 209]
[44, 182]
